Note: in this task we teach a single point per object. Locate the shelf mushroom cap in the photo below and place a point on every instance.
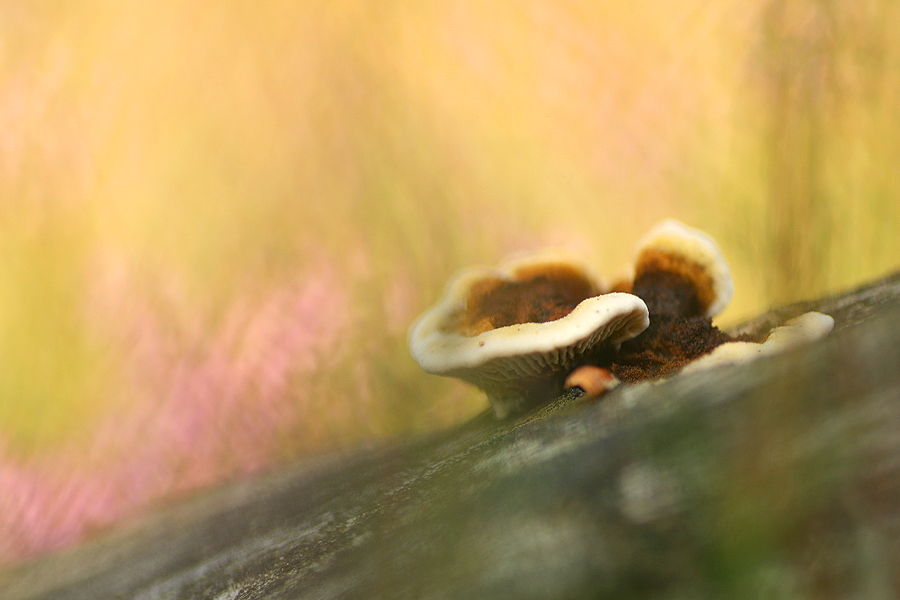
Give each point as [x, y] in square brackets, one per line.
[674, 247]
[558, 317]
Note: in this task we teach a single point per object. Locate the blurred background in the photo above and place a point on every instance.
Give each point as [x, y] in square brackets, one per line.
[217, 222]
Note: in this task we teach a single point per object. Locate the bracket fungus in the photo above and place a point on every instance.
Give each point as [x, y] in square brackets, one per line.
[518, 331]
[526, 330]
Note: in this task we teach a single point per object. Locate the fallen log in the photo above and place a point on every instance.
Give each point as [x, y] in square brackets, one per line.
[778, 478]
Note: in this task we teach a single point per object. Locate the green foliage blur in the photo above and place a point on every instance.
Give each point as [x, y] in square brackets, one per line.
[187, 157]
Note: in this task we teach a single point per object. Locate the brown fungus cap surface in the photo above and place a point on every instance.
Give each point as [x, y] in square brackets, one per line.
[683, 269]
[538, 294]
[671, 286]
[670, 343]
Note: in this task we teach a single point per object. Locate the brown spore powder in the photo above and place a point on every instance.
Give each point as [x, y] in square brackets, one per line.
[678, 332]
[537, 295]
[658, 271]
[668, 344]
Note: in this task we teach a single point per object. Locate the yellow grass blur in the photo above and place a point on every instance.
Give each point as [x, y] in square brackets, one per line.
[190, 157]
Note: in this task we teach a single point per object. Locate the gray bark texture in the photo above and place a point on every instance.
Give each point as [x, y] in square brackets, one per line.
[775, 479]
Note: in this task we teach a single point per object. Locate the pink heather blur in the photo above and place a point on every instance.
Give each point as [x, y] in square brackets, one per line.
[205, 408]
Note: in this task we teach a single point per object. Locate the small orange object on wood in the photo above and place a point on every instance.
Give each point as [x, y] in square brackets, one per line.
[595, 381]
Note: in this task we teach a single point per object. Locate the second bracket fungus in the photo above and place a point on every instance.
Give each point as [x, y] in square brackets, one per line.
[681, 271]
[518, 331]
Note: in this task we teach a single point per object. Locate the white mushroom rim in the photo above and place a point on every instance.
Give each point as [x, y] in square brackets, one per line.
[525, 349]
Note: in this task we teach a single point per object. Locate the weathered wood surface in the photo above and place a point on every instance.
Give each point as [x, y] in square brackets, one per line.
[776, 479]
